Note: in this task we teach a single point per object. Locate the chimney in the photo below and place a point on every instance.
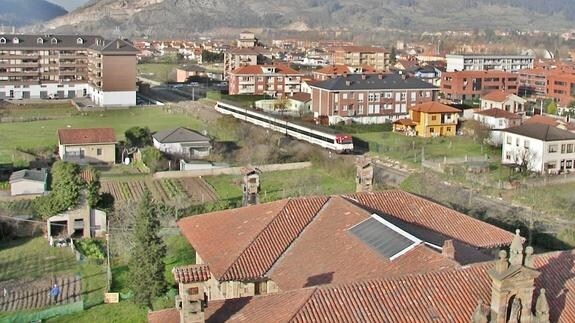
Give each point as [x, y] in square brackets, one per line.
[448, 250]
[380, 76]
[348, 83]
[363, 76]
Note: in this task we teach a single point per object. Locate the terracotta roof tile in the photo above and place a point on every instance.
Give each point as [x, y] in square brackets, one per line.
[444, 296]
[257, 69]
[431, 216]
[496, 96]
[405, 122]
[191, 274]
[338, 69]
[434, 107]
[86, 136]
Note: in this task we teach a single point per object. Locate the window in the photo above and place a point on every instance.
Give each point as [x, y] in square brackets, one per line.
[39, 40]
[344, 96]
[371, 97]
[53, 41]
[360, 109]
[344, 107]
[563, 148]
[16, 40]
[99, 152]
[360, 97]
[552, 148]
[2, 40]
[413, 96]
[569, 148]
[526, 144]
[517, 142]
[509, 140]
[431, 130]
[448, 129]
[569, 164]
[433, 118]
[79, 41]
[388, 95]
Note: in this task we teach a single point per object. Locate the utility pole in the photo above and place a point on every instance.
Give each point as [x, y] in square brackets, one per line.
[108, 268]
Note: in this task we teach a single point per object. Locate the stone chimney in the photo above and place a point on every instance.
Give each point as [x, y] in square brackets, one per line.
[448, 250]
[250, 185]
[364, 174]
[192, 298]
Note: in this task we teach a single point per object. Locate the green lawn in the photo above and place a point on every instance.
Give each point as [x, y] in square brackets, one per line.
[161, 72]
[409, 149]
[34, 258]
[42, 134]
[283, 184]
[35, 111]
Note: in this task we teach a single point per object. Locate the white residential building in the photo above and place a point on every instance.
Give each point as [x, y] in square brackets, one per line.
[473, 62]
[539, 148]
[497, 120]
[504, 101]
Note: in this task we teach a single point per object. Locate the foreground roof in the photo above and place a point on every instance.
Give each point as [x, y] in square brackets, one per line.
[444, 296]
[541, 132]
[86, 136]
[352, 82]
[309, 241]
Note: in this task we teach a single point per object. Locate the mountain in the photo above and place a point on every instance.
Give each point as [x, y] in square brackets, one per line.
[69, 4]
[24, 12]
[166, 18]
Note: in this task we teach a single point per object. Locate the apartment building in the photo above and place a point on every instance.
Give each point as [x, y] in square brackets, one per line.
[556, 84]
[474, 62]
[247, 40]
[533, 82]
[238, 57]
[369, 98]
[471, 85]
[272, 80]
[68, 66]
[333, 71]
[375, 57]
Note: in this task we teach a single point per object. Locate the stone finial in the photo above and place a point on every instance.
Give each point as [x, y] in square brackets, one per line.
[542, 308]
[516, 250]
[529, 257]
[479, 315]
[501, 265]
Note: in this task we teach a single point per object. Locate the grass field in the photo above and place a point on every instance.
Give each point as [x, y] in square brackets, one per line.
[36, 111]
[283, 184]
[161, 72]
[42, 134]
[409, 149]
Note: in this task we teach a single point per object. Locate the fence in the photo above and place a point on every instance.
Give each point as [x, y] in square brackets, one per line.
[439, 165]
[230, 170]
[46, 313]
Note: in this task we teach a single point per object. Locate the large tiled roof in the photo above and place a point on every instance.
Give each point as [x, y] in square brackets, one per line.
[443, 296]
[434, 107]
[339, 69]
[497, 96]
[424, 214]
[498, 113]
[541, 132]
[244, 243]
[540, 119]
[68, 42]
[306, 241]
[170, 315]
[86, 136]
[357, 82]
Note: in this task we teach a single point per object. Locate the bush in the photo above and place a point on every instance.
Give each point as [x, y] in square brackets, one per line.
[66, 186]
[91, 249]
[362, 128]
[151, 157]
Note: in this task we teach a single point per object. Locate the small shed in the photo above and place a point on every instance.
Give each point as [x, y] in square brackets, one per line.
[28, 182]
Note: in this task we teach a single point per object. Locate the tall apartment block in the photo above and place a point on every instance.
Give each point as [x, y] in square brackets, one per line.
[375, 57]
[68, 66]
[471, 85]
[473, 62]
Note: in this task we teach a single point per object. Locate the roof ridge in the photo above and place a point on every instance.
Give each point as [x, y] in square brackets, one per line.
[254, 239]
[329, 198]
[269, 224]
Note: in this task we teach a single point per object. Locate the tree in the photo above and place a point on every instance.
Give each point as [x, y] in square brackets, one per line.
[93, 186]
[151, 157]
[66, 187]
[281, 103]
[146, 264]
[393, 56]
[551, 108]
[138, 137]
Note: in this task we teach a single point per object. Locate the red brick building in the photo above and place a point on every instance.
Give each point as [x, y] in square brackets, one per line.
[273, 80]
[333, 71]
[470, 85]
[369, 98]
[557, 84]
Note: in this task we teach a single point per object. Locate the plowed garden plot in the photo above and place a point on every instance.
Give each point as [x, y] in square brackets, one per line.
[169, 191]
[32, 294]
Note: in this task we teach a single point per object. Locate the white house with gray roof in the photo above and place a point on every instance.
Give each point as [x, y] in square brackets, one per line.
[182, 142]
[368, 98]
[28, 182]
[539, 148]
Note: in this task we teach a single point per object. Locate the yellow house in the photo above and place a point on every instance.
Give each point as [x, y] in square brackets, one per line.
[431, 119]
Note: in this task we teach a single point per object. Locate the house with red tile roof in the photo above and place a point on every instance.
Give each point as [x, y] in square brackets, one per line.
[87, 146]
[272, 80]
[520, 284]
[303, 242]
[429, 119]
[497, 119]
[503, 100]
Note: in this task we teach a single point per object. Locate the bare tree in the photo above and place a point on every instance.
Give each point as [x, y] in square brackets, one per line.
[524, 159]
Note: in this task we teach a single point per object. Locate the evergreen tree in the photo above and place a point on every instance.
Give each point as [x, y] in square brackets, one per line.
[93, 186]
[147, 257]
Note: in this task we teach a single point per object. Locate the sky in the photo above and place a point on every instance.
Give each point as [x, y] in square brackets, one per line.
[69, 4]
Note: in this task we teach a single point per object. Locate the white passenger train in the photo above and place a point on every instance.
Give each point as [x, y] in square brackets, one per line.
[324, 137]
